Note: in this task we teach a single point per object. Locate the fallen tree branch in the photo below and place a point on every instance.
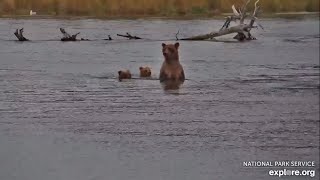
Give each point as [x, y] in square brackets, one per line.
[228, 21]
[177, 35]
[67, 36]
[235, 29]
[129, 36]
[244, 12]
[19, 34]
[242, 30]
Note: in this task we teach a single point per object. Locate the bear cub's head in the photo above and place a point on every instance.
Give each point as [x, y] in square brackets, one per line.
[145, 71]
[124, 74]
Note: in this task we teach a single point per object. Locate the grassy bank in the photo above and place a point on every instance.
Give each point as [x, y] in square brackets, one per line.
[105, 8]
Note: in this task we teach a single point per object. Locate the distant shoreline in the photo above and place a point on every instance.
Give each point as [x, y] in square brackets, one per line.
[187, 17]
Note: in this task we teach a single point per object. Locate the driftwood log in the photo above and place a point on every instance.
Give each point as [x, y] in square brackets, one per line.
[129, 36]
[67, 36]
[19, 34]
[242, 30]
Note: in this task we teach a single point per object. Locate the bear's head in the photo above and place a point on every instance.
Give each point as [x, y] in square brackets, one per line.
[170, 52]
[145, 71]
[125, 74]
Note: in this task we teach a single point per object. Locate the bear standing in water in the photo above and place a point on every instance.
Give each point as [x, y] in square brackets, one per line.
[171, 69]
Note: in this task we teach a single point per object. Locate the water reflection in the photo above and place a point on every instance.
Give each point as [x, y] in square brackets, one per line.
[171, 84]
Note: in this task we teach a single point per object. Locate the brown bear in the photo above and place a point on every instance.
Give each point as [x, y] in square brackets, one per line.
[125, 74]
[145, 71]
[171, 68]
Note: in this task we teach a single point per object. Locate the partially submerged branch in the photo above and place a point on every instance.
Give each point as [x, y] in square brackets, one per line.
[109, 38]
[177, 35]
[19, 34]
[244, 12]
[67, 36]
[242, 30]
[129, 36]
[234, 29]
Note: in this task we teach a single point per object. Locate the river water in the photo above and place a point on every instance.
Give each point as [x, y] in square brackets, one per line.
[64, 115]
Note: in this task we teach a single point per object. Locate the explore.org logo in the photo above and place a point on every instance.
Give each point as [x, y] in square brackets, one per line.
[285, 168]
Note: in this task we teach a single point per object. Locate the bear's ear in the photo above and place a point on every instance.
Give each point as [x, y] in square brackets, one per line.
[140, 68]
[176, 45]
[119, 72]
[163, 45]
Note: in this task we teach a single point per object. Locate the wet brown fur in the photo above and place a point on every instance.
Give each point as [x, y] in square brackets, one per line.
[145, 71]
[171, 68]
[124, 74]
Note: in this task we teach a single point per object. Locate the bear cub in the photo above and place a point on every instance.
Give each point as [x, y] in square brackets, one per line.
[124, 74]
[145, 71]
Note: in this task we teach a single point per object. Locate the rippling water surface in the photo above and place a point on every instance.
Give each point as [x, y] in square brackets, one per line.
[64, 115]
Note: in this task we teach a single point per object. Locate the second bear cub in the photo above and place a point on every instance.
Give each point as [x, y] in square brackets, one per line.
[145, 71]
